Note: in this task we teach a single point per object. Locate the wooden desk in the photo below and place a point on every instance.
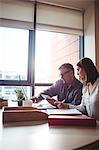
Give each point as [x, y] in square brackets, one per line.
[39, 136]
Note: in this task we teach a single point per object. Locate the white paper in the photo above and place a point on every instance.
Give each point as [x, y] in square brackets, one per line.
[63, 112]
[46, 96]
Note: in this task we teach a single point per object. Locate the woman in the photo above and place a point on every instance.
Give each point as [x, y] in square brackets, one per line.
[90, 100]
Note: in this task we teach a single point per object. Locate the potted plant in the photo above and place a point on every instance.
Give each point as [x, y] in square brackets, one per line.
[20, 96]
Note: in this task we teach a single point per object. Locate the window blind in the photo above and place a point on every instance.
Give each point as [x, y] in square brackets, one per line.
[48, 17]
[58, 18]
[17, 13]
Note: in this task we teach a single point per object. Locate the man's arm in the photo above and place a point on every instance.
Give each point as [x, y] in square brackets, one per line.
[52, 91]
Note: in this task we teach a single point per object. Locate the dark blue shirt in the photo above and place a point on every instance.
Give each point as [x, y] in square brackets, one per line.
[72, 93]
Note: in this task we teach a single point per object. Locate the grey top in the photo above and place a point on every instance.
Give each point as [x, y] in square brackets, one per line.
[72, 93]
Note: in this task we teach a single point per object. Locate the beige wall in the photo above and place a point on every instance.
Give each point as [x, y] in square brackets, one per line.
[91, 33]
[97, 32]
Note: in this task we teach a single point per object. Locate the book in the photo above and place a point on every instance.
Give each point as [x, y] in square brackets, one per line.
[13, 114]
[55, 117]
[63, 112]
[71, 120]
[23, 114]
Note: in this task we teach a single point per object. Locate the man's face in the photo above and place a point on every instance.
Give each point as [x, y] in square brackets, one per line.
[66, 74]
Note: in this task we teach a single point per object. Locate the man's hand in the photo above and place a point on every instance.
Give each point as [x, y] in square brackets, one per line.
[61, 105]
[51, 101]
[36, 99]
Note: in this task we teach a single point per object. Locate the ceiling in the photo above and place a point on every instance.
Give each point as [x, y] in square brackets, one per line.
[78, 4]
[75, 4]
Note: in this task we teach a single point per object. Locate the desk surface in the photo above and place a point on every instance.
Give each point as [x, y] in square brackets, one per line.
[39, 136]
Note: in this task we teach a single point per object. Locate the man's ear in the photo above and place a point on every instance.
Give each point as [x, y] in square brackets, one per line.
[71, 73]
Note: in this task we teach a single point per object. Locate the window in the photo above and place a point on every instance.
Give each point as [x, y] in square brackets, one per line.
[15, 63]
[13, 54]
[31, 61]
[52, 49]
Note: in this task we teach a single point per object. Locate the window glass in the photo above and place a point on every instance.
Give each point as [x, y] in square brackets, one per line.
[13, 60]
[52, 50]
[13, 53]
[39, 89]
[9, 91]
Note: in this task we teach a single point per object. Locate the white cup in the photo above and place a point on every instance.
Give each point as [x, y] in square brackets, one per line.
[27, 103]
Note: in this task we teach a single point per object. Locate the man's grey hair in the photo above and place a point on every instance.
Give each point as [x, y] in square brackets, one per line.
[67, 66]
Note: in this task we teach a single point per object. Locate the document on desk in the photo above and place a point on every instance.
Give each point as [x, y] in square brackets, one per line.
[63, 112]
[44, 104]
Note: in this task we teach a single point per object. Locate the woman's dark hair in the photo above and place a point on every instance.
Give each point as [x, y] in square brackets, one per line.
[90, 69]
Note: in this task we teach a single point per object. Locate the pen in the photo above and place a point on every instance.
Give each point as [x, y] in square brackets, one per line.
[63, 101]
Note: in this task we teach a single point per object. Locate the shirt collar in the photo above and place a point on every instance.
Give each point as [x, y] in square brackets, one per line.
[72, 83]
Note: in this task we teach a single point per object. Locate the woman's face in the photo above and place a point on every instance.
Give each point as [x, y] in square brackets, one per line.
[81, 73]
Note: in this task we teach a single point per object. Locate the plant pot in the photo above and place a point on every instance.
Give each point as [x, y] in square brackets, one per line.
[20, 102]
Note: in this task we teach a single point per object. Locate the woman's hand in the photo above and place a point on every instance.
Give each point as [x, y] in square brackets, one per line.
[61, 105]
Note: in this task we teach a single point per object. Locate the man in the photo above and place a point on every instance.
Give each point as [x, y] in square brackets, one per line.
[68, 89]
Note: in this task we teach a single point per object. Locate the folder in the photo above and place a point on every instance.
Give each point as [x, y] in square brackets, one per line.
[19, 108]
[71, 120]
[3, 102]
[19, 114]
